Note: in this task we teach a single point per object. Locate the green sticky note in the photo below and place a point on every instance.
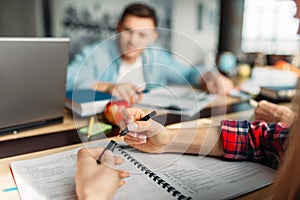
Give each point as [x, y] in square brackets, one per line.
[98, 127]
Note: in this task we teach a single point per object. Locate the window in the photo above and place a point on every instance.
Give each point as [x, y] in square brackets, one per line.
[269, 27]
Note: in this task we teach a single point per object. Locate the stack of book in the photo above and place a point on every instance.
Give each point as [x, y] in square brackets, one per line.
[277, 93]
[87, 102]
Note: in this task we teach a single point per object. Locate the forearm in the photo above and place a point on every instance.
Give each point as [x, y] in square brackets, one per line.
[102, 86]
[204, 141]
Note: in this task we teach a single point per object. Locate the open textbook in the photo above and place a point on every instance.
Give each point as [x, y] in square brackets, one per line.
[159, 176]
[176, 99]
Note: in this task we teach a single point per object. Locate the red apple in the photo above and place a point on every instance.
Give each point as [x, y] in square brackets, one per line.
[113, 111]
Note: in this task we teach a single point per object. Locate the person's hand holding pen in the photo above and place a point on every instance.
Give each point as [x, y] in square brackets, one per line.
[147, 136]
[216, 83]
[126, 91]
[95, 181]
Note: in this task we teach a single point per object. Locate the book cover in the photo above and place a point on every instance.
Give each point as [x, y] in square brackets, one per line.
[87, 102]
[278, 93]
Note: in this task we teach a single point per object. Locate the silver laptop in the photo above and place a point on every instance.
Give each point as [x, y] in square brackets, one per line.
[32, 82]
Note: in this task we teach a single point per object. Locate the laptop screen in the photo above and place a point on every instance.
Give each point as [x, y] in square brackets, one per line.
[32, 81]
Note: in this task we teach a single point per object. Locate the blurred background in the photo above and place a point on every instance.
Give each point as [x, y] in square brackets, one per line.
[254, 32]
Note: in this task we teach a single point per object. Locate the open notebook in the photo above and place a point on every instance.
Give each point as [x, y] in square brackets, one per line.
[176, 99]
[159, 176]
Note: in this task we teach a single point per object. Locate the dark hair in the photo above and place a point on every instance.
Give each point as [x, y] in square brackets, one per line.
[139, 10]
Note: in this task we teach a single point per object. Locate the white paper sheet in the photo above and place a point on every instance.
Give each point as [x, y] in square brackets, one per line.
[52, 177]
[176, 99]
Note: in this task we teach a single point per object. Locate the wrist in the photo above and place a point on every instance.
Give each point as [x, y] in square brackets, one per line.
[88, 195]
[170, 143]
[204, 141]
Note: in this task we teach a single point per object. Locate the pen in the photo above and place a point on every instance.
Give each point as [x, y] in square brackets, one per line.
[145, 118]
[143, 91]
[111, 146]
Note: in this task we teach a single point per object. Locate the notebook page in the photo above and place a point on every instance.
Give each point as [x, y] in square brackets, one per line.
[207, 178]
[52, 177]
[48, 177]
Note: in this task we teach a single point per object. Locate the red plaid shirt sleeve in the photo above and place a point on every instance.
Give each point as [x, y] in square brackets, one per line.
[257, 141]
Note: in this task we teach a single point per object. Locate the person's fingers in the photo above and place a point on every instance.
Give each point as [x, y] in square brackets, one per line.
[117, 92]
[118, 160]
[131, 142]
[269, 112]
[267, 106]
[131, 137]
[261, 104]
[140, 138]
[264, 107]
[139, 94]
[132, 126]
[108, 158]
[228, 85]
[121, 183]
[128, 93]
[133, 99]
[139, 90]
[216, 88]
[134, 96]
[124, 94]
[149, 127]
[262, 115]
[121, 91]
[88, 152]
[123, 174]
[82, 153]
[130, 89]
[141, 97]
[210, 87]
[219, 84]
[122, 125]
[216, 83]
[258, 112]
[132, 114]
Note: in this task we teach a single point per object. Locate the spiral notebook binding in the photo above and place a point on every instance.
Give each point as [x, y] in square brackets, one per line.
[154, 177]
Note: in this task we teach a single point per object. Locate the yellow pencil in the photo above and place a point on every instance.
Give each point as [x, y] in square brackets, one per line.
[91, 127]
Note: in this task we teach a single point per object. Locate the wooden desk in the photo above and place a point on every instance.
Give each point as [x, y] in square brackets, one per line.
[66, 134]
[68, 124]
[6, 179]
[69, 136]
